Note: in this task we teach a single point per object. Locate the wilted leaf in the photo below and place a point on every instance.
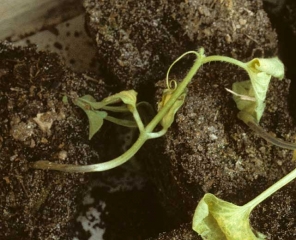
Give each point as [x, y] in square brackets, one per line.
[88, 103]
[128, 97]
[260, 72]
[271, 66]
[96, 119]
[254, 109]
[215, 219]
[168, 119]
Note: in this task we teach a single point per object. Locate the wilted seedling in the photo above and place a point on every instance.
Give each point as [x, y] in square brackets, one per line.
[97, 112]
[214, 219]
[259, 70]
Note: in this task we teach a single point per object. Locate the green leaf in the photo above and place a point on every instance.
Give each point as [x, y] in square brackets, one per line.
[88, 104]
[96, 119]
[215, 219]
[88, 98]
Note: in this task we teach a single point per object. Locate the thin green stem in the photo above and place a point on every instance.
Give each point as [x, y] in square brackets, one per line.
[157, 134]
[201, 59]
[271, 190]
[99, 167]
[144, 134]
[122, 122]
[138, 120]
[115, 108]
[216, 58]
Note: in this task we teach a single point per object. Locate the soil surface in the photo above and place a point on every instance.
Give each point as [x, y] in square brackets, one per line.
[184, 232]
[37, 125]
[138, 40]
[208, 149]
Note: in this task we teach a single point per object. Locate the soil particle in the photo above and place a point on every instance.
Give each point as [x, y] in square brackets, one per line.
[35, 124]
[183, 232]
[138, 40]
[276, 215]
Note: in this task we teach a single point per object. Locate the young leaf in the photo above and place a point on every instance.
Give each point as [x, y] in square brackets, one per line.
[95, 119]
[216, 219]
[128, 97]
[87, 103]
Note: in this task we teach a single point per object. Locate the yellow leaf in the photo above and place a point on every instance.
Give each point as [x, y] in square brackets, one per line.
[215, 219]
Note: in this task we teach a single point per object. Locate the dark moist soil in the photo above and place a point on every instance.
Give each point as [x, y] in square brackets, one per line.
[208, 149]
[138, 40]
[37, 125]
[38, 204]
[184, 232]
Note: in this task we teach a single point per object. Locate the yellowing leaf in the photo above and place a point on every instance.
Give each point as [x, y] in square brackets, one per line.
[128, 97]
[254, 109]
[260, 72]
[168, 119]
[271, 66]
[215, 219]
